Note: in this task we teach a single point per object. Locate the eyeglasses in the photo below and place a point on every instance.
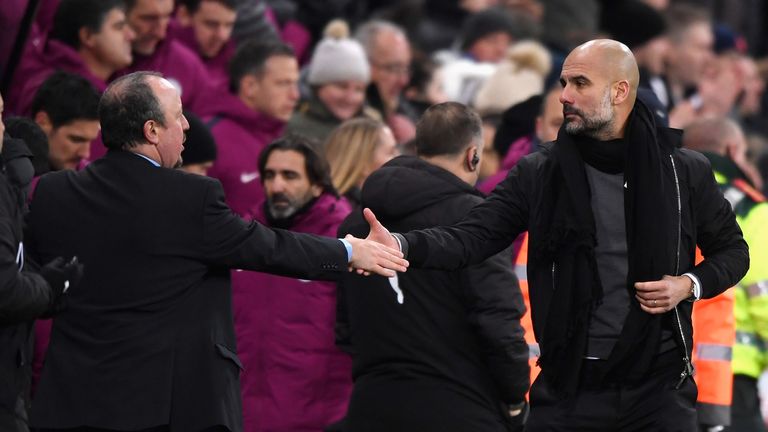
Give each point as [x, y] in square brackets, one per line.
[394, 68]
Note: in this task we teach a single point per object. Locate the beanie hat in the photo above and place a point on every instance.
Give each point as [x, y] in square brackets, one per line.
[632, 22]
[338, 58]
[518, 77]
[484, 23]
[200, 145]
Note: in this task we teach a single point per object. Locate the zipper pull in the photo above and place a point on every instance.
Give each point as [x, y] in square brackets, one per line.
[687, 372]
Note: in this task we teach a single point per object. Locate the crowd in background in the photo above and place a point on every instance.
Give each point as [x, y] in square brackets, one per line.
[351, 78]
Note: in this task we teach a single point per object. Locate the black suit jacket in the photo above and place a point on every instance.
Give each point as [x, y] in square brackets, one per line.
[148, 338]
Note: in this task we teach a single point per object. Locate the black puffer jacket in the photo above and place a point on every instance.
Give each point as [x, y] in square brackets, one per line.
[23, 297]
[450, 342]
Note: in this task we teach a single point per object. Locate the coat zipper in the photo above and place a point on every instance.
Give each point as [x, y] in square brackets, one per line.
[688, 368]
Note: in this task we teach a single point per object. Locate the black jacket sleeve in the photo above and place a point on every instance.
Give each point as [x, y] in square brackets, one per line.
[23, 295]
[229, 241]
[495, 307]
[487, 229]
[726, 254]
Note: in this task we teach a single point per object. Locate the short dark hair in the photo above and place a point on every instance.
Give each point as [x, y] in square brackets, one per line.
[126, 105]
[37, 142]
[72, 15]
[317, 168]
[251, 57]
[66, 97]
[447, 129]
[193, 5]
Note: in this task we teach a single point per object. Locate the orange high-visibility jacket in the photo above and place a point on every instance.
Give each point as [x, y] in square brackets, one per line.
[521, 269]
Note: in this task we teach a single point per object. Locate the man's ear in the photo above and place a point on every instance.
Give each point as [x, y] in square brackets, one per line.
[44, 121]
[472, 158]
[317, 190]
[622, 89]
[85, 36]
[150, 132]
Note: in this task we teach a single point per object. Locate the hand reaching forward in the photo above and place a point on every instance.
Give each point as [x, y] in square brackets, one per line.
[663, 295]
[370, 256]
[377, 231]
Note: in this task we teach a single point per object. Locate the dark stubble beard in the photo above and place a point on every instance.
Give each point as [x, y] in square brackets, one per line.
[596, 126]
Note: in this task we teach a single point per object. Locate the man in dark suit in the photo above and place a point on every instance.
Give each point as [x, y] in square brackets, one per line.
[147, 343]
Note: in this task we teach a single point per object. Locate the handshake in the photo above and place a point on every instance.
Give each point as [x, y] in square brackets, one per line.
[61, 275]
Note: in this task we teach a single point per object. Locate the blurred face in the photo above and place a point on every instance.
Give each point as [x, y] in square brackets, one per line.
[688, 56]
[149, 19]
[198, 168]
[491, 48]
[213, 23]
[70, 144]
[276, 91]
[391, 66]
[386, 149]
[112, 44]
[343, 99]
[586, 97]
[286, 183]
[753, 86]
[651, 55]
[170, 138]
[549, 122]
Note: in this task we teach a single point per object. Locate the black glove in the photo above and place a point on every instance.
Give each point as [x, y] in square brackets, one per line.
[61, 275]
[516, 416]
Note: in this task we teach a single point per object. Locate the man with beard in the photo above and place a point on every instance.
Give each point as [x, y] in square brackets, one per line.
[614, 211]
[294, 378]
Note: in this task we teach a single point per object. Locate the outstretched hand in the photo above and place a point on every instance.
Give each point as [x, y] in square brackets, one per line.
[377, 232]
[378, 253]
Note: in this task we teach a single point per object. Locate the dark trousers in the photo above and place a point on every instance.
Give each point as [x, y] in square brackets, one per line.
[745, 409]
[652, 405]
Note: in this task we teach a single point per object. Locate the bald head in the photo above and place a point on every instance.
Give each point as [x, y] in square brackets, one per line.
[610, 58]
[600, 80]
[714, 135]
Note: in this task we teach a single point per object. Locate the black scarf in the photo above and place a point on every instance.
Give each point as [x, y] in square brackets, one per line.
[564, 238]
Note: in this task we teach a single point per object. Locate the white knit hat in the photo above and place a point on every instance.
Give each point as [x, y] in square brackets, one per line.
[338, 58]
[518, 77]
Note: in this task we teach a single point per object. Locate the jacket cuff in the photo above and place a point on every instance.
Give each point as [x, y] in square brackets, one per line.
[403, 243]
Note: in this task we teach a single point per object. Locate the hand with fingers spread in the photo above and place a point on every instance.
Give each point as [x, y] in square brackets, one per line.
[369, 256]
[663, 295]
[378, 233]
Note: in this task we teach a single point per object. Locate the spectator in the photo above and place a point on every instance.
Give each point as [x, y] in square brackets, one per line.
[294, 378]
[644, 30]
[722, 142]
[485, 38]
[690, 50]
[263, 93]
[338, 76]
[89, 38]
[199, 148]
[205, 27]
[34, 137]
[24, 295]
[517, 77]
[434, 350]
[153, 50]
[426, 87]
[356, 149]
[66, 108]
[389, 54]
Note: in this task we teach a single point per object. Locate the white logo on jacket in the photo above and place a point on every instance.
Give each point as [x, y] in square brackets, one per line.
[395, 284]
[248, 177]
